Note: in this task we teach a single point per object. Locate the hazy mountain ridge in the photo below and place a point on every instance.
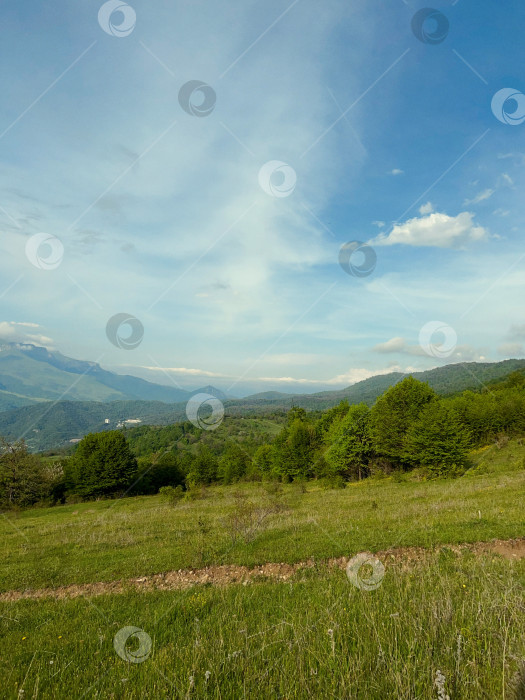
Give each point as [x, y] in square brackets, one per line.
[29, 374]
[444, 380]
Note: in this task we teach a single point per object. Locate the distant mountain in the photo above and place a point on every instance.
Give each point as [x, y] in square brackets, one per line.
[30, 374]
[449, 379]
[56, 423]
[268, 395]
[212, 391]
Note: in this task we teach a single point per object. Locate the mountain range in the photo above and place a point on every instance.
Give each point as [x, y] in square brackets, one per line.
[31, 374]
[50, 399]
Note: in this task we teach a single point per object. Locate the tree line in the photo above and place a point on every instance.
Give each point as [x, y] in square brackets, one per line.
[408, 427]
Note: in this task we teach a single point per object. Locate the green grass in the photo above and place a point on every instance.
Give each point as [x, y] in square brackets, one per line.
[108, 540]
[317, 636]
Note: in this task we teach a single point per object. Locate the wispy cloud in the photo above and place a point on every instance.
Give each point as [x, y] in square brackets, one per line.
[481, 197]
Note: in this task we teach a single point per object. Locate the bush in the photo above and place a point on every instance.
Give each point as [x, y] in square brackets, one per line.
[247, 519]
[195, 492]
[332, 482]
[173, 494]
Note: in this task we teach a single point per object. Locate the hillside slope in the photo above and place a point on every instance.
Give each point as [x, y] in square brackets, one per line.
[54, 425]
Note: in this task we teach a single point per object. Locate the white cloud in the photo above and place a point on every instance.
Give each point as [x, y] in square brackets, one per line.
[504, 180]
[185, 371]
[435, 230]
[357, 375]
[462, 353]
[396, 171]
[352, 376]
[14, 332]
[195, 192]
[427, 208]
[480, 197]
[392, 345]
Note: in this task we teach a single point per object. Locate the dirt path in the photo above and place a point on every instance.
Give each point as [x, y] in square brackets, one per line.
[404, 557]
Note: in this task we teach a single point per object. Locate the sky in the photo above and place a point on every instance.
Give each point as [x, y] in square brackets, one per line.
[287, 196]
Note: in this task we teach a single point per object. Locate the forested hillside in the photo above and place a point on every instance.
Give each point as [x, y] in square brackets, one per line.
[409, 427]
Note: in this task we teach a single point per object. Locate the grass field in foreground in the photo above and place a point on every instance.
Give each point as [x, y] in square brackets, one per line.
[317, 636]
[108, 540]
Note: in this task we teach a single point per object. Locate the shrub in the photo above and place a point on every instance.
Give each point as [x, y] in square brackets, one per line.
[173, 494]
[247, 519]
[332, 482]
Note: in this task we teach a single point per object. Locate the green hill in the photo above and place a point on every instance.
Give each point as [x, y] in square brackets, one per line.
[54, 425]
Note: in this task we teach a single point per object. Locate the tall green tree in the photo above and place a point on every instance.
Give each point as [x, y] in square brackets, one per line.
[331, 416]
[439, 441]
[393, 414]
[233, 464]
[262, 460]
[204, 467]
[102, 465]
[23, 476]
[349, 445]
[158, 471]
[294, 448]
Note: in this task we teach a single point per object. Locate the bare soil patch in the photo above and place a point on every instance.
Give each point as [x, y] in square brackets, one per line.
[223, 575]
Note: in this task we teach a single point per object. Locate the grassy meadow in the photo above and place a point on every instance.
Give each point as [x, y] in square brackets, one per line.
[111, 539]
[316, 635]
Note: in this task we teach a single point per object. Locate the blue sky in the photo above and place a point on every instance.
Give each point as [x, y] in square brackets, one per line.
[388, 140]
